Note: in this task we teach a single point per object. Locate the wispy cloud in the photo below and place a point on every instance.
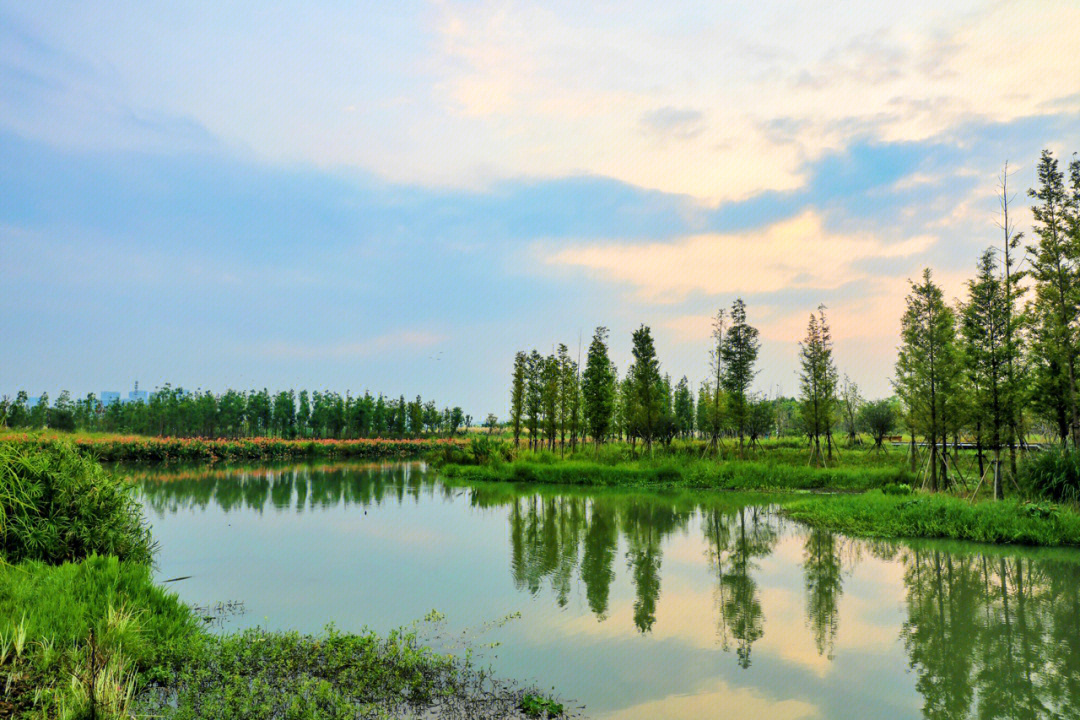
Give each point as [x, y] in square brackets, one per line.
[798, 252]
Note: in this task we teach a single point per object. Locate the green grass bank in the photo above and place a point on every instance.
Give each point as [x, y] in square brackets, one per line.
[875, 514]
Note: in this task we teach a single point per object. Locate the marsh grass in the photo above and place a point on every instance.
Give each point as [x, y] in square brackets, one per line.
[875, 514]
[57, 505]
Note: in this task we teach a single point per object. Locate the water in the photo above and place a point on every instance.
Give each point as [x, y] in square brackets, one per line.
[637, 604]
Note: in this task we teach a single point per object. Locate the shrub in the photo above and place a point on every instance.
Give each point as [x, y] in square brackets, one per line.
[1053, 474]
[56, 505]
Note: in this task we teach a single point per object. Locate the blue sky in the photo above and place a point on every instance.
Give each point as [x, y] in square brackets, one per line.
[397, 197]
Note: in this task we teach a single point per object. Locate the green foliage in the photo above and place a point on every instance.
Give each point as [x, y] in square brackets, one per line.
[738, 355]
[1053, 474]
[99, 623]
[536, 706]
[57, 505]
[818, 381]
[879, 419]
[261, 675]
[928, 368]
[876, 514]
[896, 489]
[598, 387]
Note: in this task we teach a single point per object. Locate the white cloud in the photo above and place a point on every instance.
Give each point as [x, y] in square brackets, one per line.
[716, 101]
[798, 252]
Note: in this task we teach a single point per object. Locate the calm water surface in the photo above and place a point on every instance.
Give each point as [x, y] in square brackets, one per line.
[637, 604]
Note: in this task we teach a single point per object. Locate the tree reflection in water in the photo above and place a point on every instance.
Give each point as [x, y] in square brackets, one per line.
[988, 632]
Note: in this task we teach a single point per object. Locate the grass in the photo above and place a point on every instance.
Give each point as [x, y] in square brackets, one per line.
[876, 514]
[688, 473]
[57, 505]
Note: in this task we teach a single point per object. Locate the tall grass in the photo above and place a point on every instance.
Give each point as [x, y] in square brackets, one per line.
[1053, 474]
[875, 514]
[56, 505]
[77, 640]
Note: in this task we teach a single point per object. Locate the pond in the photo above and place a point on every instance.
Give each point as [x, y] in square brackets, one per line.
[636, 604]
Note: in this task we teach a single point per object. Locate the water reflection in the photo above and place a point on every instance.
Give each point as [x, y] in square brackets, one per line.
[987, 632]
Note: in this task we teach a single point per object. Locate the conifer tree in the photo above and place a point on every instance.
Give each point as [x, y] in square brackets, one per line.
[517, 394]
[598, 388]
[818, 382]
[738, 353]
[646, 388]
[927, 370]
[1056, 305]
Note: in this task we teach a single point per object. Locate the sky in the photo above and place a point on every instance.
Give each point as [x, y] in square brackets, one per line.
[396, 197]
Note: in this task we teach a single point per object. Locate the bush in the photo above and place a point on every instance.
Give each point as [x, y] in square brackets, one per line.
[1053, 474]
[56, 506]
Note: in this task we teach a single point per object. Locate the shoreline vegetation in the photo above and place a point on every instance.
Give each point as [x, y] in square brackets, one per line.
[112, 448]
[86, 633]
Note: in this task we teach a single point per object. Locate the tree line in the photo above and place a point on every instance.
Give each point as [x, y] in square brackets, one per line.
[556, 404]
[235, 414]
[1004, 358]
[987, 368]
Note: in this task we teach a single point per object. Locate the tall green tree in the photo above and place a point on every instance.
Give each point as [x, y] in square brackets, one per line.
[986, 352]
[549, 375]
[817, 381]
[534, 397]
[646, 386]
[739, 353]
[850, 403]
[683, 401]
[517, 394]
[716, 400]
[1054, 269]
[598, 388]
[927, 370]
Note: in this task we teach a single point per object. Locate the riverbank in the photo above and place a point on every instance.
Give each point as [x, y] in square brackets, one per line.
[925, 515]
[684, 472]
[869, 496]
[142, 449]
[86, 633]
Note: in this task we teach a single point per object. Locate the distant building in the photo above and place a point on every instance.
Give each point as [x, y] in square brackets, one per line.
[137, 395]
[109, 397]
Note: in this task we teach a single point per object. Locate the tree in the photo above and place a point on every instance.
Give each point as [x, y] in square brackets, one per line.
[517, 394]
[738, 352]
[1013, 320]
[567, 391]
[646, 390]
[879, 418]
[683, 401]
[818, 382]
[927, 369]
[984, 329]
[598, 388]
[850, 402]
[1056, 305]
[549, 399]
[715, 408]
[491, 422]
[534, 397]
